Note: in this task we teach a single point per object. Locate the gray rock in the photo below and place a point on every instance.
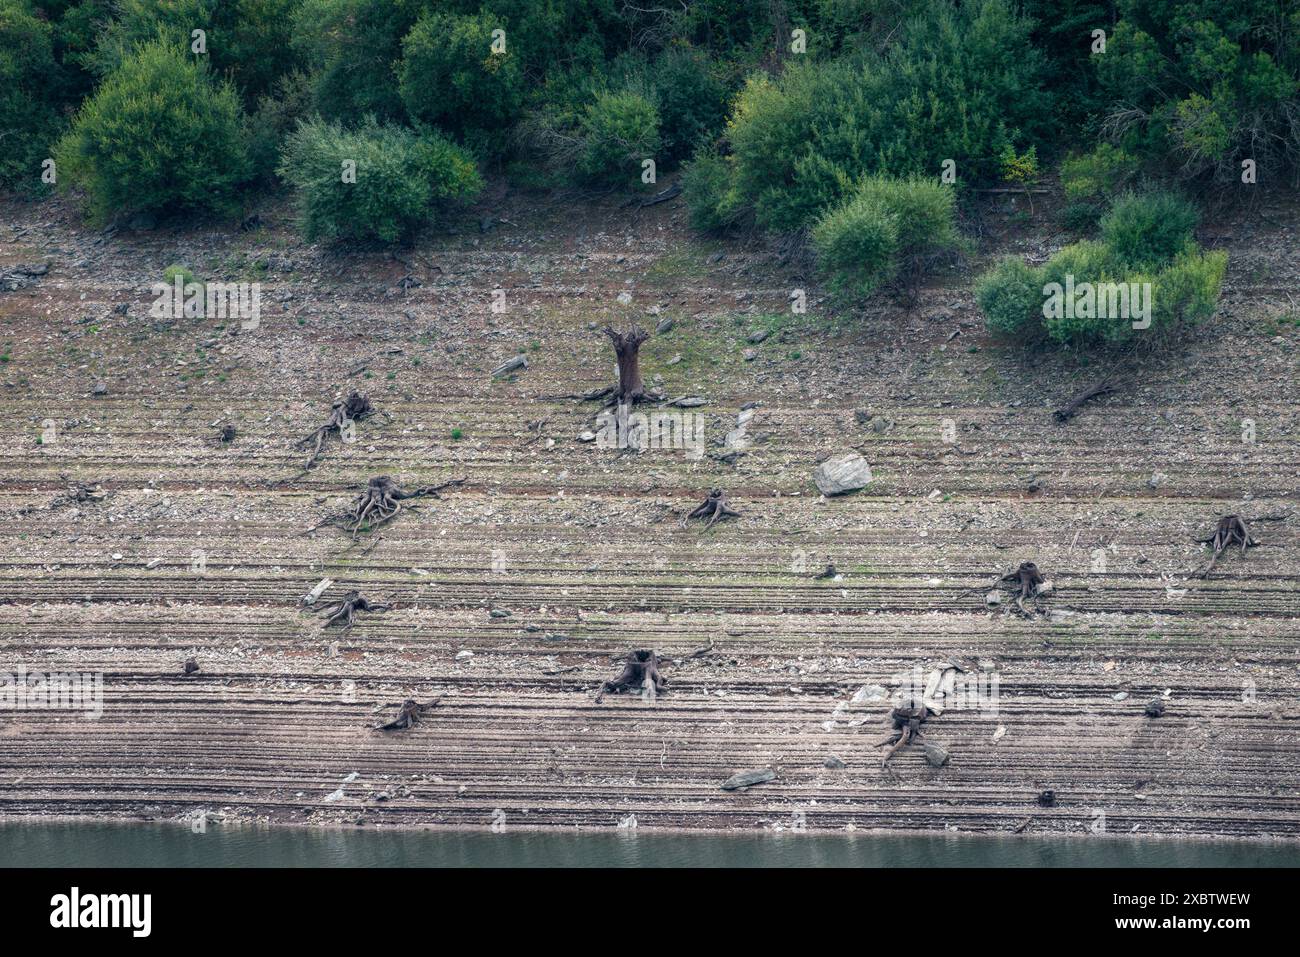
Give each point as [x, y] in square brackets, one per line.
[665, 324]
[844, 473]
[749, 355]
[834, 762]
[936, 756]
[759, 336]
[99, 389]
[510, 365]
[748, 778]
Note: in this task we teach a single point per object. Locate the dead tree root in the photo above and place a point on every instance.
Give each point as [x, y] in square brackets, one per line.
[342, 414]
[641, 670]
[345, 610]
[714, 508]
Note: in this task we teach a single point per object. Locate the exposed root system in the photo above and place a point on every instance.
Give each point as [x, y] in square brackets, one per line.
[1231, 530]
[346, 609]
[342, 414]
[713, 509]
[640, 672]
[379, 503]
[408, 716]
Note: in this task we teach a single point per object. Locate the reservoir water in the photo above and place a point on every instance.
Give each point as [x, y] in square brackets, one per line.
[172, 845]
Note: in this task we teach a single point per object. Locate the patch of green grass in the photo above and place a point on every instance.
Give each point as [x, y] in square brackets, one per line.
[457, 435]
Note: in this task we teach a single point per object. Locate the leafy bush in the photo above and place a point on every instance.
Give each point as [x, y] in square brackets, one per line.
[886, 230]
[160, 134]
[710, 201]
[961, 83]
[275, 117]
[1093, 292]
[246, 40]
[450, 77]
[29, 75]
[1149, 229]
[1099, 175]
[692, 102]
[1196, 87]
[1011, 296]
[350, 46]
[400, 178]
[619, 131]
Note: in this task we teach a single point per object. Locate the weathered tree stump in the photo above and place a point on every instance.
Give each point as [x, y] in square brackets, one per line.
[408, 716]
[641, 666]
[352, 409]
[627, 347]
[907, 719]
[1231, 530]
[345, 610]
[714, 508]
[379, 503]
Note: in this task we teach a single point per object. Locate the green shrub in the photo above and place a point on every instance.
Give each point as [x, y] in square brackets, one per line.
[275, 117]
[350, 46]
[400, 178]
[1149, 229]
[710, 201]
[246, 40]
[1011, 296]
[619, 131]
[692, 102]
[160, 134]
[1187, 291]
[888, 229]
[1088, 294]
[29, 79]
[1099, 175]
[1193, 88]
[449, 77]
[960, 83]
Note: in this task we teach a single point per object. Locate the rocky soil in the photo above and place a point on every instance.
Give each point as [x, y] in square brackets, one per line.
[514, 595]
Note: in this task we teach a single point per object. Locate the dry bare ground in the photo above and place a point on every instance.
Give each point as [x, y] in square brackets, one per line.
[199, 549]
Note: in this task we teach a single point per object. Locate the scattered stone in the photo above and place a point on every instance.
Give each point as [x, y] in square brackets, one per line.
[1155, 708]
[510, 365]
[758, 336]
[834, 762]
[844, 473]
[869, 693]
[747, 779]
[936, 756]
[665, 325]
[99, 389]
[1047, 798]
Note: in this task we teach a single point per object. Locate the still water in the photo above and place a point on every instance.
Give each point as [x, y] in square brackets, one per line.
[170, 845]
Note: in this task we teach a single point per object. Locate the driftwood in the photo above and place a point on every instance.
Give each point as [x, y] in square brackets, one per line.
[714, 508]
[1107, 383]
[672, 192]
[1231, 530]
[640, 670]
[342, 414]
[346, 608]
[408, 716]
[379, 503]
